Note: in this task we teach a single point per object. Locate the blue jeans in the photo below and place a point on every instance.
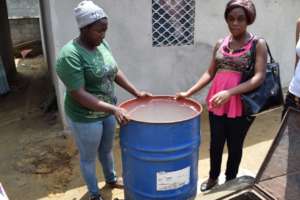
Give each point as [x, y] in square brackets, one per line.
[92, 140]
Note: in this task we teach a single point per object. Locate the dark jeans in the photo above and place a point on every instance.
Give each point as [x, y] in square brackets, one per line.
[291, 101]
[232, 131]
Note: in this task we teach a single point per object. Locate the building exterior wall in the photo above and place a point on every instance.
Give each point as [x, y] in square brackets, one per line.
[24, 20]
[167, 70]
[50, 52]
[6, 50]
[24, 29]
[23, 8]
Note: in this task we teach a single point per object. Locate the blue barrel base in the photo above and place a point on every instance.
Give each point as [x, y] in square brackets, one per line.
[149, 150]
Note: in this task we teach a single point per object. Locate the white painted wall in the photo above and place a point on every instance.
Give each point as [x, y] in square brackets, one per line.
[167, 70]
[24, 8]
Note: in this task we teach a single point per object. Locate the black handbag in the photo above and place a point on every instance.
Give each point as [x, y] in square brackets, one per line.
[269, 94]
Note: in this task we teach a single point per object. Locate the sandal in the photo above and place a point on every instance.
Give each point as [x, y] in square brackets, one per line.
[208, 184]
[96, 197]
[118, 183]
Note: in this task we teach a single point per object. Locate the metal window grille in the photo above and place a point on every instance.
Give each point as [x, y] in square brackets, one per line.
[173, 22]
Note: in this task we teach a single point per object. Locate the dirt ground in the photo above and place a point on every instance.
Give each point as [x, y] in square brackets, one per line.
[37, 160]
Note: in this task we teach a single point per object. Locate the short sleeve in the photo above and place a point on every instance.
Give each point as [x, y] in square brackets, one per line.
[70, 71]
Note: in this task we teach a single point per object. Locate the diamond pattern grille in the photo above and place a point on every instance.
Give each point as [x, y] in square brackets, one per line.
[173, 22]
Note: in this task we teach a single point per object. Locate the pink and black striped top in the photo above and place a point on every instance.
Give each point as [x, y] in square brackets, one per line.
[230, 64]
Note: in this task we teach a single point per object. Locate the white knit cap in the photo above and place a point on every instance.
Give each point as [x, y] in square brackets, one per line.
[87, 12]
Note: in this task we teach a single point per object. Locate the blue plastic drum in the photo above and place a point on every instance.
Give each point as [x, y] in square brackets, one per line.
[160, 148]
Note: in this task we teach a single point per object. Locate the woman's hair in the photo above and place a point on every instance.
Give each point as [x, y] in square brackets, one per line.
[246, 5]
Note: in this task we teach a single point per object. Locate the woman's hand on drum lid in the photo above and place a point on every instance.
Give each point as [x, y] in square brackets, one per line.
[121, 115]
[181, 95]
[143, 94]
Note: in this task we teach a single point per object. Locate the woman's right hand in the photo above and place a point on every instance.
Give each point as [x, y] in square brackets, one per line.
[181, 95]
[121, 115]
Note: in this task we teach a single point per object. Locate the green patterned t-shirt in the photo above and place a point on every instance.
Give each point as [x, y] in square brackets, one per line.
[95, 71]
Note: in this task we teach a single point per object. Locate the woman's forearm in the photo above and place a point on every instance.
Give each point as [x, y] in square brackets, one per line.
[91, 102]
[123, 82]
[249, 85]
[202, 82]
[207, 76]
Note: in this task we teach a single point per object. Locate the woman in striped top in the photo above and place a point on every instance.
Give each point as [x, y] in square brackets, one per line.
[231, 56]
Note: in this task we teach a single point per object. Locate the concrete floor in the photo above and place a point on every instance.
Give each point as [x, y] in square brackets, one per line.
[37, 162]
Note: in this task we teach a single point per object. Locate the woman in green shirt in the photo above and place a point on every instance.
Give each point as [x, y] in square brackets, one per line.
[87, 68]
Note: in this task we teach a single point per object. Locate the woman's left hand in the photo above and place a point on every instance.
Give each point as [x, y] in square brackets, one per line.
[220, 98]
[143, 94]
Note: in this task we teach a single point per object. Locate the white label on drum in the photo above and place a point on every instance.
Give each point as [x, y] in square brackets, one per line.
[172, 180]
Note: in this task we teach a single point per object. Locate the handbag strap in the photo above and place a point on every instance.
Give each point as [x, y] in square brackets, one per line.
[253, 51]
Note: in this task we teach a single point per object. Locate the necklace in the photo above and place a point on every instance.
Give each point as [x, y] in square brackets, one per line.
[240, 46]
